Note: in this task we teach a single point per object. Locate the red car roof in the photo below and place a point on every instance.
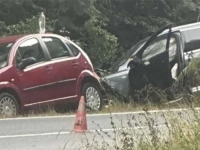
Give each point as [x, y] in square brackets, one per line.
[10, 39]
[14, 38]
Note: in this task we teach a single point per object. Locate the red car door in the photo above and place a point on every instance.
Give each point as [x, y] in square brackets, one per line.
[66, 68]
[35, 80]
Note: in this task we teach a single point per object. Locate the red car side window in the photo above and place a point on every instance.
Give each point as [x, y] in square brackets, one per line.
[74, 50]
[30, 48]
[56, 48]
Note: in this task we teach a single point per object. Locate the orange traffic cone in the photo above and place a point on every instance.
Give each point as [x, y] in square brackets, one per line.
[80, 122]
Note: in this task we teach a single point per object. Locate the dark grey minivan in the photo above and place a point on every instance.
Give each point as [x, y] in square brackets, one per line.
[162, 57]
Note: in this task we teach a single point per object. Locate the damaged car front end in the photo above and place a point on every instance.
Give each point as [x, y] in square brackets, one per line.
[161, 60]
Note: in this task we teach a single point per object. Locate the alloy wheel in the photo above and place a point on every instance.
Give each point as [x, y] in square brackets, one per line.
[93, 99]
[8, 107]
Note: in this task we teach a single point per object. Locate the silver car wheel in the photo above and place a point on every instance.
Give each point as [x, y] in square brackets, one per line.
[7, 107]
[93, 100]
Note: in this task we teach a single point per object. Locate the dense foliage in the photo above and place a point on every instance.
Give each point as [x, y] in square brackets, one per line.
[104, 28]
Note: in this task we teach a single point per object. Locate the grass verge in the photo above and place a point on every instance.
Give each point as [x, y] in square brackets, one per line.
[179, 130]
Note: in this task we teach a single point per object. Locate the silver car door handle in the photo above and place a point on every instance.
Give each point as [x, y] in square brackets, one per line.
[123, 77]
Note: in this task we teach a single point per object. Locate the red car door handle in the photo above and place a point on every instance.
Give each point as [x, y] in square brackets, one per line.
[75, 63]
[48, 68]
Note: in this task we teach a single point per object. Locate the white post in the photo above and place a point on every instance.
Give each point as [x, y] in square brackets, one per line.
[42, 23]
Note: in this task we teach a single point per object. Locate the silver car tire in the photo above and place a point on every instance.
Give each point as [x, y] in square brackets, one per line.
[92, 96]
[8, 105]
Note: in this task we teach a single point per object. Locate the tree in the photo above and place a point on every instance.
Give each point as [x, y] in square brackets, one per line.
[132, 20]
[103, 27]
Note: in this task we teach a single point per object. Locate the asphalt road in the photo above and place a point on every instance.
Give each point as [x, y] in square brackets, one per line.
[55, 133]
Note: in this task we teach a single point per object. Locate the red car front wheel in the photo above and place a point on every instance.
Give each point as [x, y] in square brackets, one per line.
[8, 105]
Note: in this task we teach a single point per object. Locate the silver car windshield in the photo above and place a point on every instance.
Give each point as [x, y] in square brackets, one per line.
[122, 60]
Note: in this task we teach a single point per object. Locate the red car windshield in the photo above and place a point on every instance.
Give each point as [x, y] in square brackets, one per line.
[4, 53]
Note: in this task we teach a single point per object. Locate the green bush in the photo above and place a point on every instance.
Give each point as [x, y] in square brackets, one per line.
[101, 45]
[29, 26]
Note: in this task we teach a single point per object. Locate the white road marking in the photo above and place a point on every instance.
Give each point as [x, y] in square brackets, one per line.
[67, 132]
[32, 135]
[94, 115]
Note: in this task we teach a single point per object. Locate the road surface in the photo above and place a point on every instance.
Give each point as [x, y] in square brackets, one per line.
[55, 133]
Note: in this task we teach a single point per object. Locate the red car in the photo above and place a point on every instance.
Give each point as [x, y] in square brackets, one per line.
[44, 69]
